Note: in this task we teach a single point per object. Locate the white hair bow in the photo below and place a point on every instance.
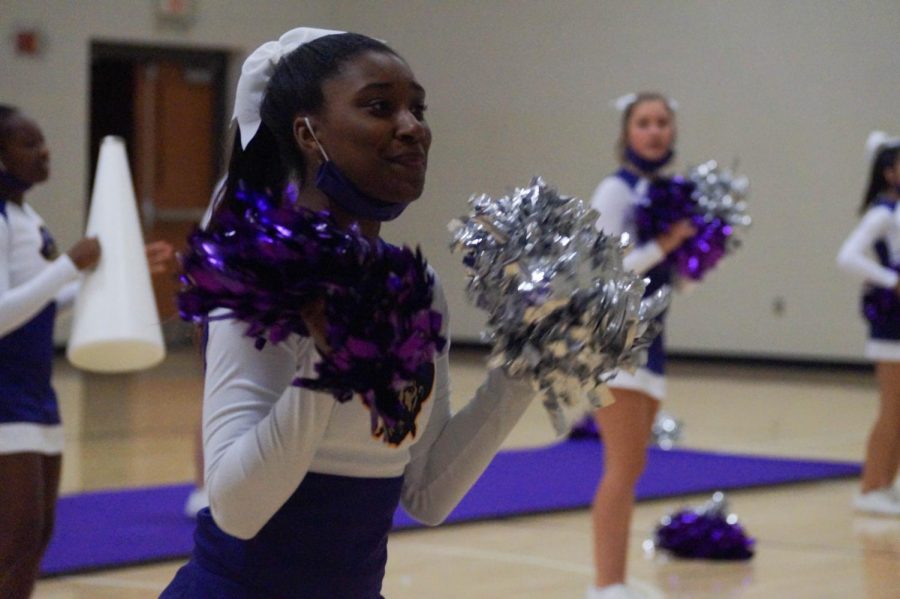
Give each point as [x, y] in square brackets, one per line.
[257, 71]
[877, 141]
[623, 102]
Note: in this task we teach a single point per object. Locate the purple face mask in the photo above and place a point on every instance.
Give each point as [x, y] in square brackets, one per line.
[335, 184]
[10, 181]
[340, 189]
[648, 166]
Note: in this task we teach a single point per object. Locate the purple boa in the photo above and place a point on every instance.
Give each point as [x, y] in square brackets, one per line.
[265, 260]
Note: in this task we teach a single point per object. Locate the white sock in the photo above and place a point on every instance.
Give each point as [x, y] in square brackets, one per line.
[594, 592]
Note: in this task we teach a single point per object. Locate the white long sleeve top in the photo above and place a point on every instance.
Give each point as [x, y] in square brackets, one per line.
[615, 199]
[879, 223]
[262, 435]
[30, 278]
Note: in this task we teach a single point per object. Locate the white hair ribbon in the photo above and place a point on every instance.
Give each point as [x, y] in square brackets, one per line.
[877, 141]
[257, 71]
[623, 102]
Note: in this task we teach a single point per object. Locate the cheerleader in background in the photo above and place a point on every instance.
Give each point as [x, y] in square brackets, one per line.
[646, 145]
[879, 231]
[35, 282]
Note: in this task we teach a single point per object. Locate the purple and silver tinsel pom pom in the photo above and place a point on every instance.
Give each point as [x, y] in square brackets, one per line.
[561, 308]
[706, 532]
[267, 260]
[713, 200]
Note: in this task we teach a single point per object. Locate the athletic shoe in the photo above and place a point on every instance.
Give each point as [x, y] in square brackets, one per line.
[880, 502]
[614, 591]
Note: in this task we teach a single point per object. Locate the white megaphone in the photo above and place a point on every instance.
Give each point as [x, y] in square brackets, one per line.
[115, 325]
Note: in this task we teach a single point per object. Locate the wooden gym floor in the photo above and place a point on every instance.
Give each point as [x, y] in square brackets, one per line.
[130, 430]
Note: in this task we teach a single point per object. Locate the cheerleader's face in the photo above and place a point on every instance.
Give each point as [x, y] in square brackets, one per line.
[23, 151]
[650, 131]
[373, 126]
[892, 176]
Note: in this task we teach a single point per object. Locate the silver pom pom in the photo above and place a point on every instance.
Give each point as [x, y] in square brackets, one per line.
[666, 431]
[720, 195]
[561, 308]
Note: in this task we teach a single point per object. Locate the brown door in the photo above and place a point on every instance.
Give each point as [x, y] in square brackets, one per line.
[174, 156]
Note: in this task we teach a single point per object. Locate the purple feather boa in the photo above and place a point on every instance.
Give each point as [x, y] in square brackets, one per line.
[265, 260]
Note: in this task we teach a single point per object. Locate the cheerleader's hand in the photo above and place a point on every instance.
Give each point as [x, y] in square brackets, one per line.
[313, 315]
[85, 253]
[160, 256]
[678, 233]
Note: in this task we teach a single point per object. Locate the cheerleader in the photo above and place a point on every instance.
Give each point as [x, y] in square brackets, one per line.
[878, 232]
[301, 494]
[645, 146]
[34, 278]
[35, 282]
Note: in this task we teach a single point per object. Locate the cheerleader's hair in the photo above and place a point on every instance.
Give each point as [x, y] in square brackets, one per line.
[883, 152]
[272, 159]
[7, 112]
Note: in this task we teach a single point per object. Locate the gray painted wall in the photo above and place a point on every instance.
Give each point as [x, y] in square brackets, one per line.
[522, 87]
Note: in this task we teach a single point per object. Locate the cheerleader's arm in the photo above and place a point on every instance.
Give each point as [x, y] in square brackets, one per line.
[260, 433]
[854, 256]
[456, 448]
[613, 200]
[20, 304]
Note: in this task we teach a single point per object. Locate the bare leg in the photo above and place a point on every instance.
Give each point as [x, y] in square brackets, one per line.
[52, 465]
[625, 429]
[883, 447]
[27, 516]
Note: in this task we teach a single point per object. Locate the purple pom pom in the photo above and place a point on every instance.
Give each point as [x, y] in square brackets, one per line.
[710, 200]
[383, 332]
[707, 532]
[266, 260]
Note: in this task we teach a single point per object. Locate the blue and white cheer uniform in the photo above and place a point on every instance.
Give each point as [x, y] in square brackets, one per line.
[301, 494]
[34, 282]
[616, 199]
[872, 253]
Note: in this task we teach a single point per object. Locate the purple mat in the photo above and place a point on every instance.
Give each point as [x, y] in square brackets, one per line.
[107, 529]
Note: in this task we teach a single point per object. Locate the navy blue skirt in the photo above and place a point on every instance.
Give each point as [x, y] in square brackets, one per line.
[26, 364]
[659, 275]
[328, 541]
[881, 308]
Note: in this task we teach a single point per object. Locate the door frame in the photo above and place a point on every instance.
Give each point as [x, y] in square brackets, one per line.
[217, 60]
